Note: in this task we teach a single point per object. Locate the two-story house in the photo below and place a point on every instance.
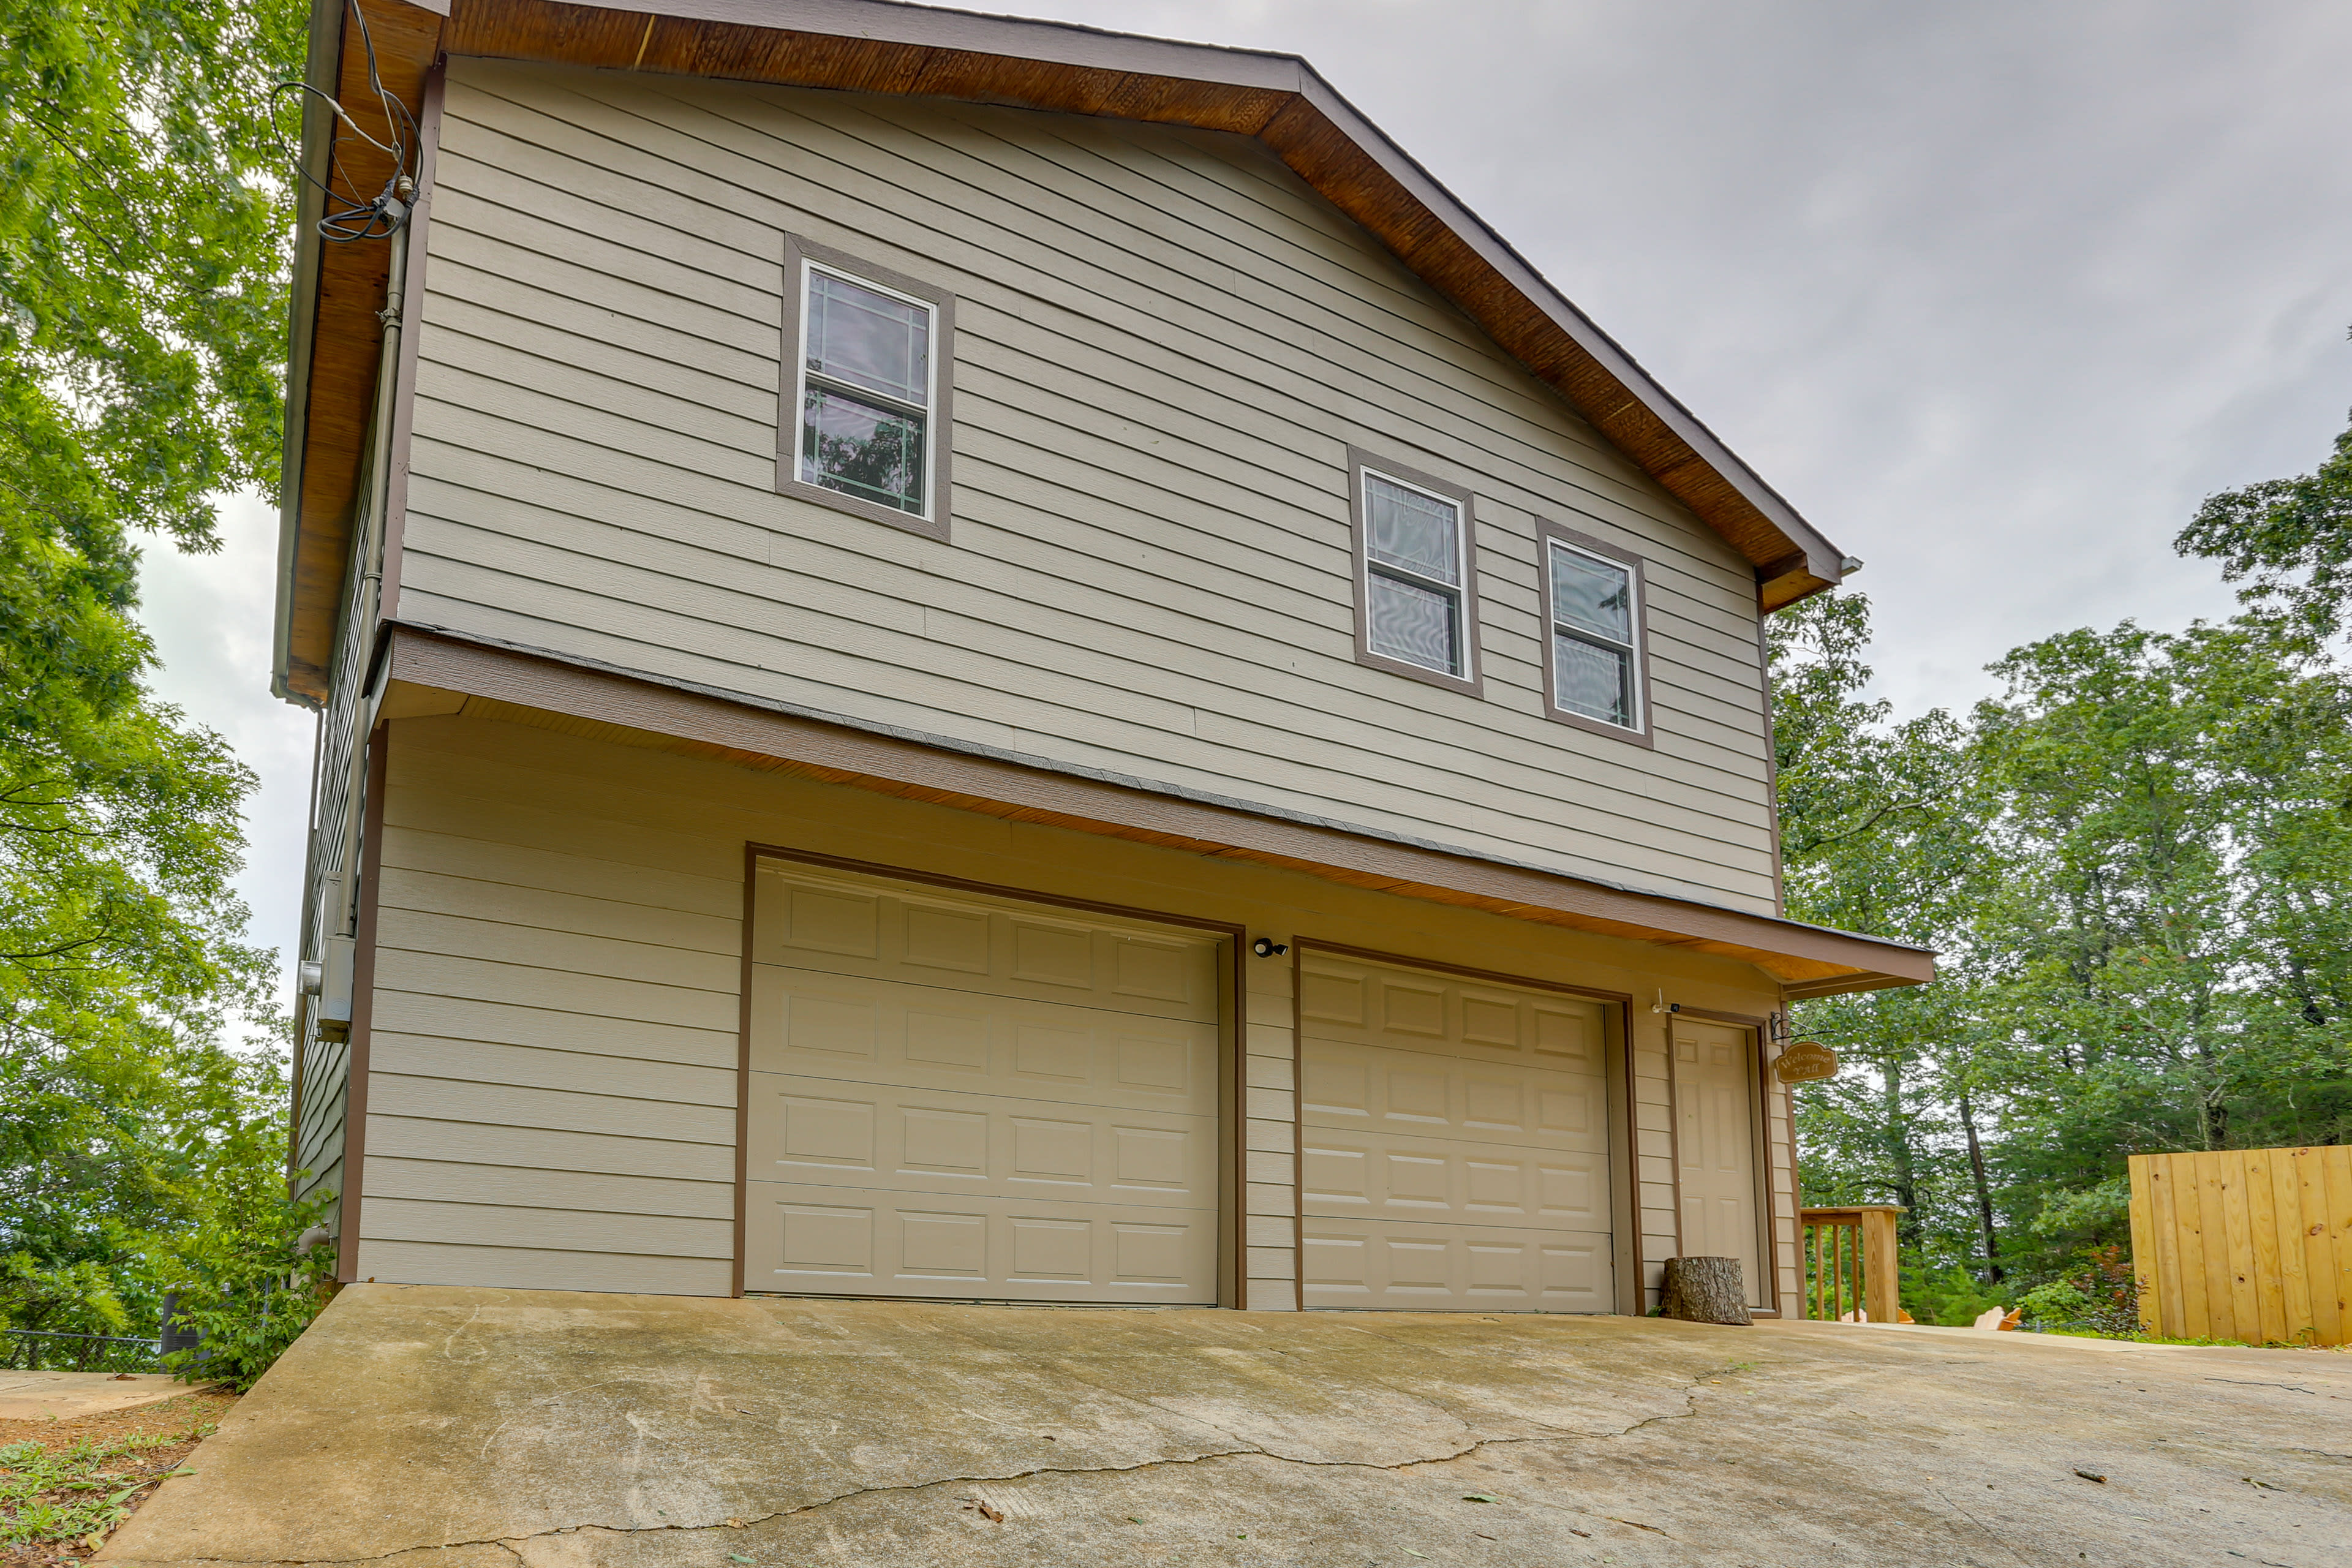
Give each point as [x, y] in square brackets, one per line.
[971, 659]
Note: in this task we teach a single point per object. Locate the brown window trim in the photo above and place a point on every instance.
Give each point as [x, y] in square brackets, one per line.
[938, 427]
[1644, 735]
[1471, 681]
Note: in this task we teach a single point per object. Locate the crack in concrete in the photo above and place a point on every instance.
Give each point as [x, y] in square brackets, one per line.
[507, 1543]
[1991, 1534]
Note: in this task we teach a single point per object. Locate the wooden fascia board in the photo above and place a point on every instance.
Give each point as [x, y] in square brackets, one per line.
[972, 778]
[325, 50]
[875, 46]
[1460, 255]
[336, 339]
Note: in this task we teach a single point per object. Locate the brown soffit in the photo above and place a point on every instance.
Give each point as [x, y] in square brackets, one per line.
[335, 333]
[489, 680]
[878, 46]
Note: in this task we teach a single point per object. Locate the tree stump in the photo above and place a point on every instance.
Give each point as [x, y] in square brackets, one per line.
[1703, 1291]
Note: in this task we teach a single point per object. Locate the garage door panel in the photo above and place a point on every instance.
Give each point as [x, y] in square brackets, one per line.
[869, 1241]
[1454, 1144]
[1403, 1266]
[991, 947]
[826, 1025]
[827, 1131]
[972, 1096]
[1431, 1179]
[1419, 1092]
[1369, 1004]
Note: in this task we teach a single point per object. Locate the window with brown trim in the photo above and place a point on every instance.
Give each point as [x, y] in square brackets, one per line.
[868, 354]
[1416, 592]
[1596, 645]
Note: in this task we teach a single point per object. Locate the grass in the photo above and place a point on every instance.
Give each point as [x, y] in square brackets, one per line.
[2080, 1332]
[73, 1495]
[64, 1485]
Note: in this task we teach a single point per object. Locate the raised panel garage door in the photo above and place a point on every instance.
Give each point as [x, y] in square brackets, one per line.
[967, 1096]
[1454, 1144]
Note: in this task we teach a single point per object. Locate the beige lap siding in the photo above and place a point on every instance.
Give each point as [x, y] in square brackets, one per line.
[553, 1053]
[555, 1046]
[1787, 1240]
[318, 1141]
[1658, 1200]
[1164, 346]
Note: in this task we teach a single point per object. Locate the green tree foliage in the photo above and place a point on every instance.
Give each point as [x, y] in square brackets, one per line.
[2136, 858]
[247, 1285]
[2290, 540]
[142, 225]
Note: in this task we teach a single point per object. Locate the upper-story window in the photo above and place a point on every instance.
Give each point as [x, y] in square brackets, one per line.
[868, 361]
[1595, 665]
[1416, 598]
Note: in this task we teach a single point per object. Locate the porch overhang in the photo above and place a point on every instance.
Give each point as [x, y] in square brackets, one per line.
[878, 46]
[430, 670]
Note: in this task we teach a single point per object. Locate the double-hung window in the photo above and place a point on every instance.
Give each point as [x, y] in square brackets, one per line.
[867, 366]
[1416, 603]
[1593, 667]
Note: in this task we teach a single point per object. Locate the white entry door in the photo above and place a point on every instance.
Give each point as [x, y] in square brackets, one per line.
[1715, 1134]
[1454, 1144]
[968, 1096]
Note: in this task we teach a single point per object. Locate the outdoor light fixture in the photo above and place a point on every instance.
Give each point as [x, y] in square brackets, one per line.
[1266, 947]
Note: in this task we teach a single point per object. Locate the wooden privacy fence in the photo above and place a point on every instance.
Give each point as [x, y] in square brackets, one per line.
[2253, 1245]
[1850, 1261]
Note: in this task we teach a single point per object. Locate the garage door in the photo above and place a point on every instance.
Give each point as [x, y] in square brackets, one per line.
[968, 1096]
[1454, 1144]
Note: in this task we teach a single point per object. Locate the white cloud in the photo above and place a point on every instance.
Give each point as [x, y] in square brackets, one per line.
[211, 617]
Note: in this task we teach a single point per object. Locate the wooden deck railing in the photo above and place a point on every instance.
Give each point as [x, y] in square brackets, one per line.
[1850, 1262]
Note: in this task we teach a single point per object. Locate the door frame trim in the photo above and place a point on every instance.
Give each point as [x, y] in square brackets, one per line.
[1760, 1119]
[1233, 1092]
[1625, 1163]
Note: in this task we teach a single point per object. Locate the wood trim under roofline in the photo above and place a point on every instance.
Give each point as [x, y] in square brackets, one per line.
[412, 333]
[335, 334]
[877, 46]
[325, 47]
[953, 772]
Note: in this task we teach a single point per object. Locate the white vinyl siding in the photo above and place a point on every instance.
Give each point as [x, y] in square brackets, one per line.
[1165, 346]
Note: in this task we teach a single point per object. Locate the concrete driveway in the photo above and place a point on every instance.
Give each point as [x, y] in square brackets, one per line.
[465, 1428]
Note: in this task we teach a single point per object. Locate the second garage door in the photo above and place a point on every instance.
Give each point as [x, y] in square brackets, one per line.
[970, 1096]
[1454, 1143]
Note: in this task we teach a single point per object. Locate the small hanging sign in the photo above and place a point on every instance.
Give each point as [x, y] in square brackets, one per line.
[1805, 1061]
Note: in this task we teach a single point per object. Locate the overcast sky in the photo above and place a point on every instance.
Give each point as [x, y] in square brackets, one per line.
[1994, 293]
